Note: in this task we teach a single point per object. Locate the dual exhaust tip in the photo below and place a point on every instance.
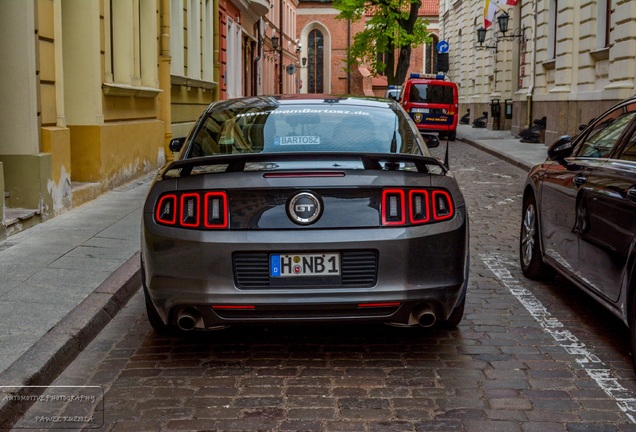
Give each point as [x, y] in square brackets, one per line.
[187, 317]
[424, 316]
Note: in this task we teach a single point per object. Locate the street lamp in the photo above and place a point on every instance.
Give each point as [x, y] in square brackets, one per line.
[275, 40]
[502, 22]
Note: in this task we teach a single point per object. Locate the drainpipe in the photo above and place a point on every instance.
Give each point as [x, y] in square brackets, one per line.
[165, 112]
[533, 66]
[282, 43]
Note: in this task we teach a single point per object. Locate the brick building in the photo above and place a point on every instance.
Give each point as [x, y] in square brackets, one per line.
[324, 41]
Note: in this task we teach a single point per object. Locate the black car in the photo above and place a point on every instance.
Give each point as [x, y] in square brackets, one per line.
[579, 213]
[317, 209]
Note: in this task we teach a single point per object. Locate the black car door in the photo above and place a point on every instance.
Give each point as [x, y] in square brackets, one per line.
[605, 208]
[558, 215]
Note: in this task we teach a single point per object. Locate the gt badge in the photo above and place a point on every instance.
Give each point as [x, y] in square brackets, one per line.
[304, 208]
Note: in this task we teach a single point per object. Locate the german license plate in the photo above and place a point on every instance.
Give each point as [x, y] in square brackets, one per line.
[288, 265]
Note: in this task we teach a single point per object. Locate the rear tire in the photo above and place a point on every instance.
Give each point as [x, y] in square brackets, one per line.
[456, 316]
[632, 332]
[530, 257]
[452, 135]
[153, 316]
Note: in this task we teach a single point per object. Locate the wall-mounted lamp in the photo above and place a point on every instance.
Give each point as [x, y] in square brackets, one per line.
[502, 22]
[304, 61]
[481, 38]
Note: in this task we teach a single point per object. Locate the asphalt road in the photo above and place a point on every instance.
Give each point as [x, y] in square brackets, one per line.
[529, 356]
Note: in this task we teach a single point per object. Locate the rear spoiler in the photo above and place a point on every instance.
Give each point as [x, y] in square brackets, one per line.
[237, 162]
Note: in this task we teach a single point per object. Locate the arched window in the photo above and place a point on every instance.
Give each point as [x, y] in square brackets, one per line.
[315, 62]
[431, 55]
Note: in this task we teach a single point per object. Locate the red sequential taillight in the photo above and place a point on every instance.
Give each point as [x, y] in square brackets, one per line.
[196, 210]
[401, 207]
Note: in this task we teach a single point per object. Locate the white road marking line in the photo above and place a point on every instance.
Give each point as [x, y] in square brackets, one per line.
[590, 362]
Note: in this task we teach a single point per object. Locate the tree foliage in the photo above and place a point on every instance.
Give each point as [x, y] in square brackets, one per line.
[392, 30]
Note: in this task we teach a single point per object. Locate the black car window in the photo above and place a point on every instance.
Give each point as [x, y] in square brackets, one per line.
[313, 128]
[629, 153]
[606, 132]
[430, 93]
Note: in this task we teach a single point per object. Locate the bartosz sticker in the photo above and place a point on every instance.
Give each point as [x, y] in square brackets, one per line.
[296, 140]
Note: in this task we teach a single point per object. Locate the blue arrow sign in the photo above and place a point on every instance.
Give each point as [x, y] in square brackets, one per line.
[442, 47]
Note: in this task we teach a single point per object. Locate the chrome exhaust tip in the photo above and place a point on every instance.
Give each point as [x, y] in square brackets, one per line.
[187, 318]
[425, 316]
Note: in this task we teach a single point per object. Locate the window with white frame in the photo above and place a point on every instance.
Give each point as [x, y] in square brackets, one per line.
[603, 23]
[192, 34]
[207, 40]
[177, 51]
[553, 13]
[233, 72]
[194, 40]
[131, 42]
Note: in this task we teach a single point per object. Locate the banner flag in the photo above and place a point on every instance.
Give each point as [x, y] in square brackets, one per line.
[490, 7]
[489, 12]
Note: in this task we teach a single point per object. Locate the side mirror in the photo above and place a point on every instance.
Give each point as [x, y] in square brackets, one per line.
[561, 148]
[176, 144]
[431, 140]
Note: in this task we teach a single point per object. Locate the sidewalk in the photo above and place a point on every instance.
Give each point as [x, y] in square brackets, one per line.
[504, 145]
[62, 281]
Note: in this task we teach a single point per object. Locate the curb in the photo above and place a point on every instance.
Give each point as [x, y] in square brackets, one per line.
[511, 160]
[41, 364]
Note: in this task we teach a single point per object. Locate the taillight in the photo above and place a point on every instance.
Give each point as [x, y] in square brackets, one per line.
[442, 205]
[197, 210]
[190, 209]
[166, 212]
[393, 207]
[215, 213]
[421, 205]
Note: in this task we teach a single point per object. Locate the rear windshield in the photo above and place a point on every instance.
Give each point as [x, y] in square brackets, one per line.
[315, 128]
[431, 93]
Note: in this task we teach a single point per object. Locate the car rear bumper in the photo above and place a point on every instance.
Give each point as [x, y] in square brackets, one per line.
[417, 267]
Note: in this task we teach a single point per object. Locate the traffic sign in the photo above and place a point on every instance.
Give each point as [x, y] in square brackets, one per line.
[442, 47]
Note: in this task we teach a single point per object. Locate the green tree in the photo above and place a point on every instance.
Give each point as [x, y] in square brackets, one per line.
[389, 35]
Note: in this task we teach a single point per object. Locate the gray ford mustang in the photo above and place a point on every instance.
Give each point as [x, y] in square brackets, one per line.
[315, 209]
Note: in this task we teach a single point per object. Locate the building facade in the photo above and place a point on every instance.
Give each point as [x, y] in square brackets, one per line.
[324, 42]
[571, 60]
[94, 90]
[79, 105]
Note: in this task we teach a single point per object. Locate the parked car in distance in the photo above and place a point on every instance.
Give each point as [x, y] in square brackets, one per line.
[393, 92]
[433, 104]
[579, 213]
[316, 209]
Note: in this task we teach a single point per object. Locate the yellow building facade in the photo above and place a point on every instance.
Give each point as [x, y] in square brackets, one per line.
[80, 102]
[92, 91]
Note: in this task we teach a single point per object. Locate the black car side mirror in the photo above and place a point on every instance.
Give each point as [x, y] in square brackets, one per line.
[431, 140]
[176, 144]
[561, 148]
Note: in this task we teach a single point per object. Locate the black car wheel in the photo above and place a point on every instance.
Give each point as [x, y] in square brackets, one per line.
[632, 332]
[452, 136]
[532, 263]
[456, 316]
[153, 316]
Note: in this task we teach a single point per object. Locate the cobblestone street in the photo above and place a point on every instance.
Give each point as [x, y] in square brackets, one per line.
[528, 356]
